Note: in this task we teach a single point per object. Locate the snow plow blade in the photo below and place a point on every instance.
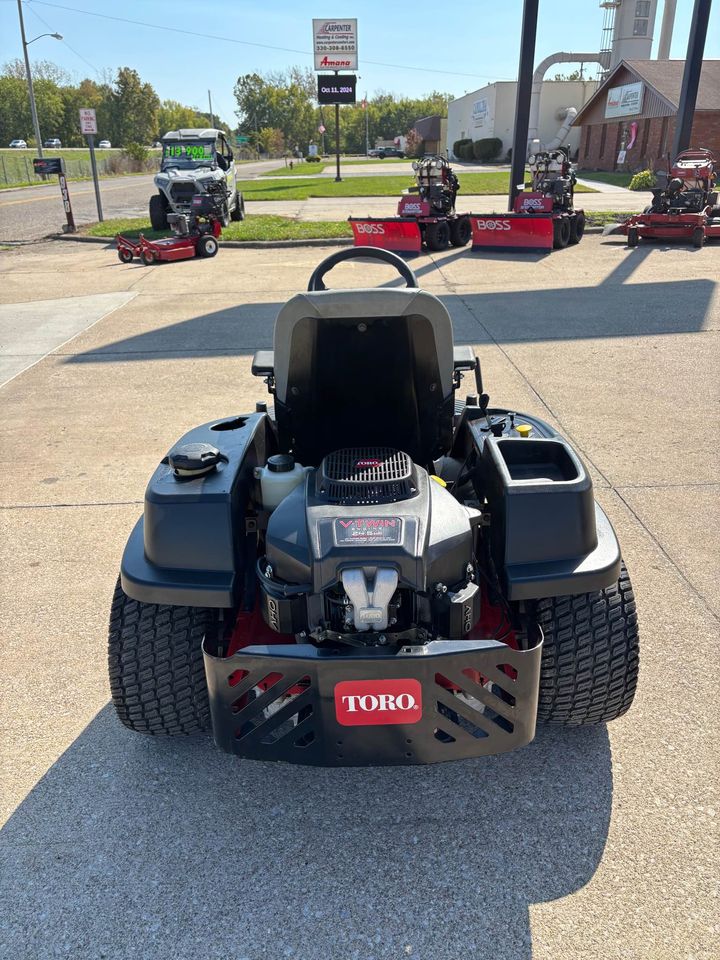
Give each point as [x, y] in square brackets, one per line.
[517, 232]
[399, 234]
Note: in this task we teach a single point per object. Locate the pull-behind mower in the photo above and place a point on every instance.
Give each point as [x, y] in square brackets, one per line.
[426, 214]
[686, 208]
[373, 572]
[544, 216]
[195, 234]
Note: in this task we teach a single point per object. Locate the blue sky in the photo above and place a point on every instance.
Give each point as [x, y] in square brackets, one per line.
[455, 46]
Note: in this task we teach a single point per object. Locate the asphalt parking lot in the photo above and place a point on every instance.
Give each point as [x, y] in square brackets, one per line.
[589, 843]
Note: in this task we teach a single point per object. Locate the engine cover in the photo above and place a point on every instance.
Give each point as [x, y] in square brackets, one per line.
[370, 509]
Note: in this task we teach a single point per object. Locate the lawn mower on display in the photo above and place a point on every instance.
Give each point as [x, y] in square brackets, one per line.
[686, 208]
[372, 571]
[196, 233]
[426, 214]
[544, 217]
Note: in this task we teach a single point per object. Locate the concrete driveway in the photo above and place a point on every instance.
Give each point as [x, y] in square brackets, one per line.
[589, 843]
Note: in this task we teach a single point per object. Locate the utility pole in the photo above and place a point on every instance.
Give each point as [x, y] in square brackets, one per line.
[691, 75]
[212, 118]
[367, 128]
[522, 100]
[33, 109]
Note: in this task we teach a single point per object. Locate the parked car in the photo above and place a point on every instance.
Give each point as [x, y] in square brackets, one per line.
[18, 144]
[53, 143]
[104, 145]
[382, 152]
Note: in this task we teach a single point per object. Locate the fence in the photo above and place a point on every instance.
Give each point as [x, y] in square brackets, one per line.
[16, 167]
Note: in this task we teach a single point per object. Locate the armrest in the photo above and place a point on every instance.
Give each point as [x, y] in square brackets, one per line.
[463, 358]
[263, 364]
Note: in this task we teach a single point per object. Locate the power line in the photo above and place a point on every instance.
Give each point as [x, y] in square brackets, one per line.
[72, 49]
[250, 43]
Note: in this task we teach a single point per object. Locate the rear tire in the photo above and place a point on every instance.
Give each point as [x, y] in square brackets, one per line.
[158, 212]
[125, 255]
[155, 662]
[561, 233]
[207, 246]
[633, 237]
[698, 237]
[238, 210]
[148, 258]
[460, 232]
[437, 235]
[577, 228]
[590, 656]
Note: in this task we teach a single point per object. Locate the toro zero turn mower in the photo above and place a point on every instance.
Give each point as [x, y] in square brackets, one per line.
[544, 217]
[426, 214]
[685, 209]
[195, 233]
[372, 572]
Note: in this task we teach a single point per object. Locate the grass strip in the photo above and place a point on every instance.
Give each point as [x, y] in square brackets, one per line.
[253, 227]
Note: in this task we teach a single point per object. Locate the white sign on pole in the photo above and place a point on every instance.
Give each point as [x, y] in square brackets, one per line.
[625, 101]
[88, 122]
[335, 44]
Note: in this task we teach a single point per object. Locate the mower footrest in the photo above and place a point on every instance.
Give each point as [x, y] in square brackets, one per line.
[447, 700]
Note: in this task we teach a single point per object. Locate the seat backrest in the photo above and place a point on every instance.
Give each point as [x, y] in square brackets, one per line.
[364, 367]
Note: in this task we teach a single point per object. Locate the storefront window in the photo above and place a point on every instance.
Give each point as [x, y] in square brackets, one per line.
[642, 8]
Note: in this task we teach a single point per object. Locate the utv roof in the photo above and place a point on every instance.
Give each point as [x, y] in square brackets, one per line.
[192, 133]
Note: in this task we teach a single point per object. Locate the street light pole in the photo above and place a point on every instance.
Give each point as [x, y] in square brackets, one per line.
[33, 109]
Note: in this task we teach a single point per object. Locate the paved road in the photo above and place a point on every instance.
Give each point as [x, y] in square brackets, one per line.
[30, 213]
[590, 843]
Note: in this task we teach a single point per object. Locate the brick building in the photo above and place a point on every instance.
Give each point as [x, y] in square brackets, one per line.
[635, 109]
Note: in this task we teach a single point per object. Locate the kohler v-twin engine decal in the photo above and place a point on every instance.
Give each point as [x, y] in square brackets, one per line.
[368, 531]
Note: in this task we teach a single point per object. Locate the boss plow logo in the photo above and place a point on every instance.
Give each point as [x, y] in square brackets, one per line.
[378, 702]
[492, 225]
[369, 228]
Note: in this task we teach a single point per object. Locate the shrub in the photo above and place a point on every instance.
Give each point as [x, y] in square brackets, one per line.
[459, 149]
[486, 149]
[137, 156]
[414, 144]
[644, 180]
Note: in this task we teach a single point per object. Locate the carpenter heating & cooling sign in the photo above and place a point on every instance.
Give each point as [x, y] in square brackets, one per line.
[335, 44]
[625, 101]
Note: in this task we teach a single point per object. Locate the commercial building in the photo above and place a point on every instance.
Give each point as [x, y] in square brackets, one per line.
[490, 112]
[629, 123]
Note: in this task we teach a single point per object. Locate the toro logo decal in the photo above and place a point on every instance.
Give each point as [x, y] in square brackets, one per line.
[492, 225]
[369, 462]
[375, 703]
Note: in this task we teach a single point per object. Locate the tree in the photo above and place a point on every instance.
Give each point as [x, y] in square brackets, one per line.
[573, 75]
[174, 116]
[133, 109]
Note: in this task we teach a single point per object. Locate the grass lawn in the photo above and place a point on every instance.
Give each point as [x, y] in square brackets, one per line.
[478, 184]
[253, 227]
[601, 218]
[617, 179]
[298, 170]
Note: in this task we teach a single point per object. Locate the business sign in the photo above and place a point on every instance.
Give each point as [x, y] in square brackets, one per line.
[479, 112]
[332, 89]
[625, 101]
[335, 44]
[48, 165]
[88, 122]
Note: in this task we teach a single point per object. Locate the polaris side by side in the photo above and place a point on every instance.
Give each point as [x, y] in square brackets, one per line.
[191, 160]
[371, 571]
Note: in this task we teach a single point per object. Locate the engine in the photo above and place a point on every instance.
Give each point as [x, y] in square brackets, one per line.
[370, 549]
[553, 177]
[437, 184]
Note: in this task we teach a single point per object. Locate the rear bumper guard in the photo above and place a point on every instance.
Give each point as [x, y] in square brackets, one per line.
[467, 699]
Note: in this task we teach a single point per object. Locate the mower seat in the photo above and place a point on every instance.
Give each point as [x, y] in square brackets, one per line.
[369, 367]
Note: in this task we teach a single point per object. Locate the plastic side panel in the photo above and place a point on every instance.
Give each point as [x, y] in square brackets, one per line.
[599, 569]
[397, 234]
[533, 203]
[148, 583]
[413, 207]
[512, 232]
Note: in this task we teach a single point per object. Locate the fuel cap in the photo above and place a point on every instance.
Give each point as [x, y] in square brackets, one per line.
[194, 459]
[281, 463]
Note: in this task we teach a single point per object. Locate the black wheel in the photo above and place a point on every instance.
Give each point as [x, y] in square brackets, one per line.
[158, 212]
[698, 237]
[225, 214]
[633, 236]
[155, 662]
[207, 246]
[590, 655]
[148, 258]
[561, 232]
[125, 255]
[460, 231]
[577, 227]
[238, 210]
[437, 235]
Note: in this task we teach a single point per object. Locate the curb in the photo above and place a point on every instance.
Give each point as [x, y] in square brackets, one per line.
[233, 244]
